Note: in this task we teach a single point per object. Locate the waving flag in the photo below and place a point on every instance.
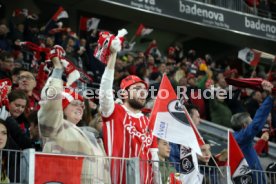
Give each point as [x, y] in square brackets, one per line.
[25, 12]
[60, 13]
[170, 120]
[239, 168]
[88, 24]
[189, 166]
[249, 56]
[18, 12]
[142, 31]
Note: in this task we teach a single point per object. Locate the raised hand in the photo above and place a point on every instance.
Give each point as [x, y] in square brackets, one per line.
[265, 136]
[267, 86]
[56, 54]
[57, 51]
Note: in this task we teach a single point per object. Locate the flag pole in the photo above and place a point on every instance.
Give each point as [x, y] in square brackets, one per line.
[135, 34]
[195, 128]
[217, 166]
[133, 38]
[271, 67]
[188, 115]
[43, 28]
[47, 24]
[253, 72]
[228, 148]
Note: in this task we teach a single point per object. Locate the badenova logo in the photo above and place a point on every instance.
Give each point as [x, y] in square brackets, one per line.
[259, 26]
[200, 12]
[150, 2]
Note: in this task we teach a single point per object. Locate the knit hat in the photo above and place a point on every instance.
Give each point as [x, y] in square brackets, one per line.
[69, 96]
[130, 80]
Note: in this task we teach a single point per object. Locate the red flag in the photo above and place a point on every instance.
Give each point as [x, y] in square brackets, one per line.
[25, 12]
[142, 31]
[19, 11]
[239, 168]
[61, 13]
[59, 169]
[88, 24]
[249, 56]
[170, 120]
[252, 83]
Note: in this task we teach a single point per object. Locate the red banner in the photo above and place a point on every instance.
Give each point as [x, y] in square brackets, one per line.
[58, 169]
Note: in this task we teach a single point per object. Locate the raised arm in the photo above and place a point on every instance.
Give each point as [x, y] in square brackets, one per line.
[259, 120]
[106, 94]
[50, 114]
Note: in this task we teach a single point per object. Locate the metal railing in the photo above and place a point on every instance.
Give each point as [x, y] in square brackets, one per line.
[242, 6]
[10, 166]
[221, 133]
[29, 167]
[264, 177]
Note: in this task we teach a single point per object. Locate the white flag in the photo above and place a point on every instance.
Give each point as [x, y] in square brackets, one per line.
[88, 24]
[169, 121]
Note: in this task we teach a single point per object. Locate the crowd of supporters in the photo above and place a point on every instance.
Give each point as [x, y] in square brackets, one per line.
[265, 8]
[29, 67]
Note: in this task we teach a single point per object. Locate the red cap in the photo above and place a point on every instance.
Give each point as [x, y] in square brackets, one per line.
[130, 80]
[69, 96]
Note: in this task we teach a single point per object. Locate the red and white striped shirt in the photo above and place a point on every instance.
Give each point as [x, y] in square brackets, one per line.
[127, 135]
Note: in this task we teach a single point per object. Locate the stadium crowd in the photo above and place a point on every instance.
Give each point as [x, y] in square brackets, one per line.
[35, 59]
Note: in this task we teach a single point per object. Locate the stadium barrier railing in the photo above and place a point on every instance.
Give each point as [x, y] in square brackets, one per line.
[31, 167]
[241, 6]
